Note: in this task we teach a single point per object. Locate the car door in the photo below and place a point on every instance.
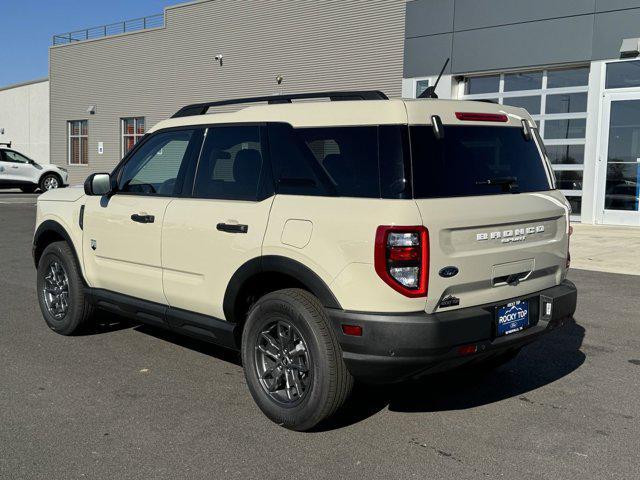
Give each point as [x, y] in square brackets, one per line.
[208, 237]
[19, 169]
[4, 171]
[122, 231]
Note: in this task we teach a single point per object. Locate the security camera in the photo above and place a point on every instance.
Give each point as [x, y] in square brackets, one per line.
[218, 58]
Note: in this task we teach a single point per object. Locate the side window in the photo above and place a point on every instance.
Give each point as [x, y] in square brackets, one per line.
[231, 163]
[349, 155]
[154, 169]
[295, 169]
[395, 161]
[336, 161]
[14, 157]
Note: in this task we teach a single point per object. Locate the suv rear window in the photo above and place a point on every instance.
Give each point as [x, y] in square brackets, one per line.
[468, 157]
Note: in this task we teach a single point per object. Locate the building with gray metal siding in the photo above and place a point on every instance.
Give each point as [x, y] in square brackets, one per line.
[150, 74]
[559, 59]
[562, 61]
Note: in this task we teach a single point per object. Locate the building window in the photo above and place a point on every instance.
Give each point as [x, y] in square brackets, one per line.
[132, 132]
[421, 86]
[78, 142]
[557, 100]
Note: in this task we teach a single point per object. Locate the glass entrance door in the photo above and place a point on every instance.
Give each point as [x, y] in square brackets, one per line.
[620, 160]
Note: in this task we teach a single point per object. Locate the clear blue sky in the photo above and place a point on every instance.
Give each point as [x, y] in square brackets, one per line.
[28, 25]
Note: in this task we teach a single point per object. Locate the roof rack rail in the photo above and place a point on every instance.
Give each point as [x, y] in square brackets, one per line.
[202, 108]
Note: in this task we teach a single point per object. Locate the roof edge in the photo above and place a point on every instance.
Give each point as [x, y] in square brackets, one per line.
[24, 84]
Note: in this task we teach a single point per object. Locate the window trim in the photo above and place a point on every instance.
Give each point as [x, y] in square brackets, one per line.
[136, 136]
[80, 136]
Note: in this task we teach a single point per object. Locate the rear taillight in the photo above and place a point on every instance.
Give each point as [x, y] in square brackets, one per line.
[402, 258]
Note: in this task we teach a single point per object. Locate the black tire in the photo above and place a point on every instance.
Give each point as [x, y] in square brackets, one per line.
[328, 382]
[79, 310]
[49, 177]
[28, 189]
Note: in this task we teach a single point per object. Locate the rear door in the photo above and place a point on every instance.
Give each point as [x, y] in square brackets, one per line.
[487, 197]
[122, 232]
[208, 235]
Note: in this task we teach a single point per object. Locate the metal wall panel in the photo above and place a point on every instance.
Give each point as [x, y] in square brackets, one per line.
[328, 45]
[608, 5]
[610, 29]
[426, 55]
[489, 13]
[537, 43]
[429, 17]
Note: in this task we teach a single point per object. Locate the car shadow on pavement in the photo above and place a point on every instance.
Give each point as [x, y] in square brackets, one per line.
[541, 363]
[192, 344]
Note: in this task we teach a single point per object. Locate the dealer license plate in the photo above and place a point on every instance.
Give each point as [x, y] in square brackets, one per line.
[513, 317]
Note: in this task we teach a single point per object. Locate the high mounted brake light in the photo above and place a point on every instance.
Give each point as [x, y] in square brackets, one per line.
[481, 117]
[402, 258]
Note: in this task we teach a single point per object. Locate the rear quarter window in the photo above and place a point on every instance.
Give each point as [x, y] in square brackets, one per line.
[367, 161]
[468, 157]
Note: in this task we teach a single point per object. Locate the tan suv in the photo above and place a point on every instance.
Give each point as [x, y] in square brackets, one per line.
[359, 237]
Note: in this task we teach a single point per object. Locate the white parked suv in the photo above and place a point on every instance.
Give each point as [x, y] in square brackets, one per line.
[359, 238]
[19, 171]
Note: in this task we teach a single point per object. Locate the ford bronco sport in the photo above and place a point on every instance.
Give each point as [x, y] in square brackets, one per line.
[366, 238]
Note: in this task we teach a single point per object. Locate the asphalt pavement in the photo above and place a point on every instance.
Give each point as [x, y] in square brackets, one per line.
[132, 402]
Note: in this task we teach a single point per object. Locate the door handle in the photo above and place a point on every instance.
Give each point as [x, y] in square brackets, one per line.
[232, 228]
[143, 218]
[15, 166]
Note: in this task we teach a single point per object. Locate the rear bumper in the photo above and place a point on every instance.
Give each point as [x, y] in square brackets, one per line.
[395, 347]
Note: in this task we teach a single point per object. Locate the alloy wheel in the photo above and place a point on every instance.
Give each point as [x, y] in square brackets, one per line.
[283, 363]
[56, 290]
[51, 183]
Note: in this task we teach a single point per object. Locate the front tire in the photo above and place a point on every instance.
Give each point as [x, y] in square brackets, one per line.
[292, 360]
[50, 181]
[61, 292]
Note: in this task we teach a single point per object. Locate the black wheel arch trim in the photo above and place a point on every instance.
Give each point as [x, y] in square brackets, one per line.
[276, 264]
[53, 226]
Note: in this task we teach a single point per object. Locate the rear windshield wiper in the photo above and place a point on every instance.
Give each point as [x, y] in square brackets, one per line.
[508, 184]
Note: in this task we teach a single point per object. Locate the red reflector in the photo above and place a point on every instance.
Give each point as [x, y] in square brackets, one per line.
[353, 330]
[467, 349]
[481, 117]
[404, 254]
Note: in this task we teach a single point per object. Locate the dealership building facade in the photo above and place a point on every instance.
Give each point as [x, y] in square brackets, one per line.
[572, 64]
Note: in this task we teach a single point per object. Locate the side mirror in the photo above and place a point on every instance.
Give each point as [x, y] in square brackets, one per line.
[98, 184]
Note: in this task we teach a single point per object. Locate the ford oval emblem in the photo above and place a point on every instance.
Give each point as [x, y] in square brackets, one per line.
[448, 272]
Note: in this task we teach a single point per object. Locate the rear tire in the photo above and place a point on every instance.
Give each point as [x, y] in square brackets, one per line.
[293, 361]
[61, 291]
[50, 181]
[28, 189]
